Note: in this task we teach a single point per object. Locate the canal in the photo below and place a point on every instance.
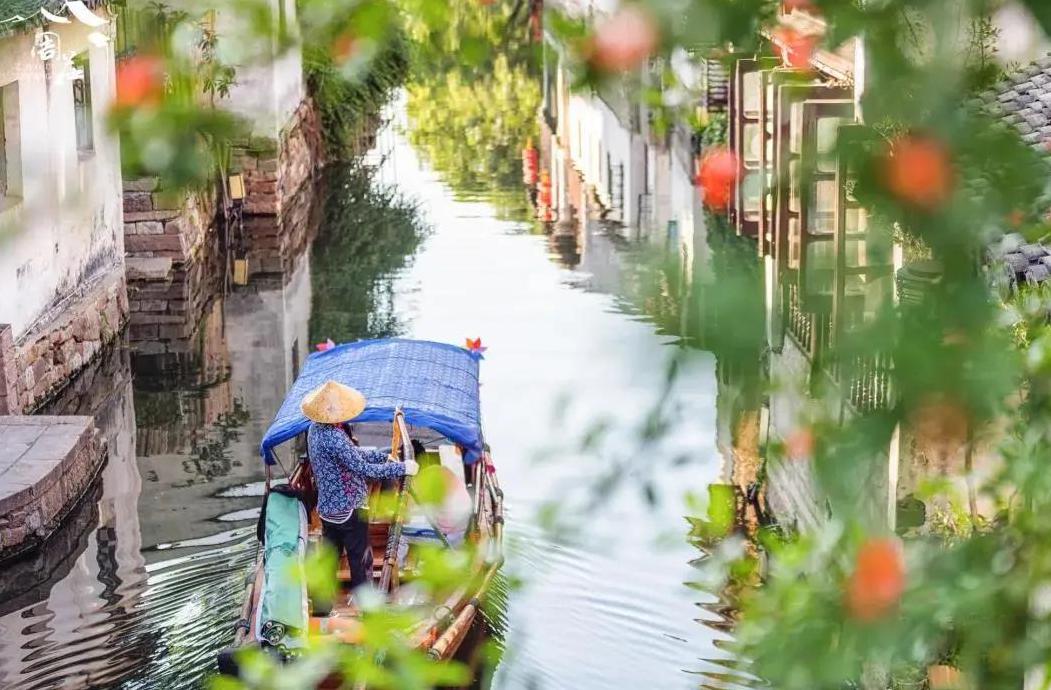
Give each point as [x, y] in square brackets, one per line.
[141, 587]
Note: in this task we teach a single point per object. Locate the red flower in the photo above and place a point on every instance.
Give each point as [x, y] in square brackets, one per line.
[794, 48]
[717, 176]
[875, 587]
[918, 171]
[624, 41]
[140, 81]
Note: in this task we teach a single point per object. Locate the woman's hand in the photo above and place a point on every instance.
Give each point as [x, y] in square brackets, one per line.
[411, 468]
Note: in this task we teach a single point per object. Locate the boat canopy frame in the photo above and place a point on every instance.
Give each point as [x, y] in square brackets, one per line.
[434, 384]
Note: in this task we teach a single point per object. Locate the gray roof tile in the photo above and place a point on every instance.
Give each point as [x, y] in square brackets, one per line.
[1023, 100]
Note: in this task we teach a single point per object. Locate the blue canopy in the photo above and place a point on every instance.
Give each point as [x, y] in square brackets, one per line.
[435, 384]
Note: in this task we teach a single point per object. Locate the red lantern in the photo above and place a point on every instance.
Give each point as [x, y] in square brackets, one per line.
[530, 164]
[543, 198]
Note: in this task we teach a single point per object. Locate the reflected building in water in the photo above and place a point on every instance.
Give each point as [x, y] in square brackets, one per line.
[144, 579]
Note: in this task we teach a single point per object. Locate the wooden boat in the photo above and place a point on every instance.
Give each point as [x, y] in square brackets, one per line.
[416, 391]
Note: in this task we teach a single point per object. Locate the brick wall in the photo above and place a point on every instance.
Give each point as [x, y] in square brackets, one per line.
[173, 264]
[41, 362]
[274, 244]
[275, 171]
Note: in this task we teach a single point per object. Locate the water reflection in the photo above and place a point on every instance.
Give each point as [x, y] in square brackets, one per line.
[143, 583]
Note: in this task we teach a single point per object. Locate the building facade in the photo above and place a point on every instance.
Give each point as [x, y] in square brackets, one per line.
[61, 230]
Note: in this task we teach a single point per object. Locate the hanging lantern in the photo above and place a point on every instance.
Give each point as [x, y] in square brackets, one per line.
[530, 164]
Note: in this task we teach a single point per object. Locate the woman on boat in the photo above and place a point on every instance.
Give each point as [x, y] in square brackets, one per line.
[340, 469]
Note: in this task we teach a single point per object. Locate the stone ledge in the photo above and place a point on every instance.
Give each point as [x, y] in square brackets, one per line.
[44, 475]
[140, 216]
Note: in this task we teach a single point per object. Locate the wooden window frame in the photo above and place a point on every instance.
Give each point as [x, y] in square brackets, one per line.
[787, 95]
[739, 120]
[813, 111]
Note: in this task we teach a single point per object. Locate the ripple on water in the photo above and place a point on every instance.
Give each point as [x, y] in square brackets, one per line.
[160, 627]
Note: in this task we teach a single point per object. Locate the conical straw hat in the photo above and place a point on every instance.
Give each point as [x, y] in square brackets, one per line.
[332, 403]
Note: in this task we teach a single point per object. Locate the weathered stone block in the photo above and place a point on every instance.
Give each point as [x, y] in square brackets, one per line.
[262, 204]
[174, 332]
[152, 268]
[155, 243]
[142, 332]
[137, 202]
[147, 227]
[142, 318]
[88, 327]
[142, 184]
[140, 216]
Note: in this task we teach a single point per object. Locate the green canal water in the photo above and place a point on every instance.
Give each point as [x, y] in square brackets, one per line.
[141, 588]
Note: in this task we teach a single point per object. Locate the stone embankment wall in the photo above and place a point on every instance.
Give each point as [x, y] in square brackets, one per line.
[46, 465]
[274, 171]
[169, 241]
[175, 263]
[37, 365]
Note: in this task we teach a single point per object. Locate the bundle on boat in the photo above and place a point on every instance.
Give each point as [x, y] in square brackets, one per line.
[422, 399]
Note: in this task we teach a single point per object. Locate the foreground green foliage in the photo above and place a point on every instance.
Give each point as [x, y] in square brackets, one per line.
[350, 92]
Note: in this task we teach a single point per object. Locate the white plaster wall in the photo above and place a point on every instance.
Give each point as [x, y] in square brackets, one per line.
[595, 131]
[269, 82]
[67, 227]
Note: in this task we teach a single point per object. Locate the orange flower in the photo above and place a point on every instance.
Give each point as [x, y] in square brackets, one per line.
[795, 48]
[624, 41]
[800, 444]
[717, 175]
[918, 171]
[878, 580]
[1016, 218]
[140, 81]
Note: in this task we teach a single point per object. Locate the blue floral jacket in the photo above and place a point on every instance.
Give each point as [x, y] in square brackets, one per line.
[340, 470]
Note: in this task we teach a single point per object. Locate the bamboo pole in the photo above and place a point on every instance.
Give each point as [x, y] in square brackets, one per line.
[404, 449]
[450, 640]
